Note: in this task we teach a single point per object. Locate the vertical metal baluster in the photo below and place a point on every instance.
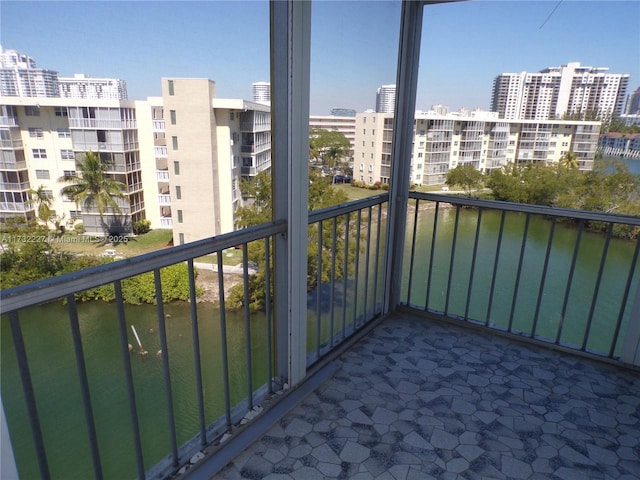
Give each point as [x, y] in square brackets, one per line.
[625, 296]
[366, 270]
[345, 274]
[567, 290]
[495, 268]
[357, 273]
[333, 278]
[594, 301]
[376, 263]
[128, 375]
[433, 246]
[543, 278]
[519, 272]
[165, 367]
[267, 281]
[267, 300]
[318, 289]
[84, 385]
[223, 341]
[473, 264]
[413, 250]
[452, 260]
[29, 395]
[247, 324]
[196, 351]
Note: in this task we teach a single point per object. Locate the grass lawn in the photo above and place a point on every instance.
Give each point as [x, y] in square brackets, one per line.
[149, 242]
[356, 193]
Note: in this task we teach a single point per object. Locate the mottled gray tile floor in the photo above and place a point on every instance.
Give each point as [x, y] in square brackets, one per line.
[419, 400]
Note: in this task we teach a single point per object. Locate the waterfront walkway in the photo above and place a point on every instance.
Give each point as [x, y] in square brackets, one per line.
[418, 400]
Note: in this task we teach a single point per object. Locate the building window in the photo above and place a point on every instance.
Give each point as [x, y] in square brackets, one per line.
[64, 133]
[75, 214]
[171, 89]
[178, 192]
[61, 111]
[39, 153]
[176, 168]
[32, 111]
[231, 116]
[36, 133]
[42, 174]
[364, 131]
[174, 142]
[67, 154]
[179, 216]
[181, 237]
[362, 167]
[70, 173]
[172, 115]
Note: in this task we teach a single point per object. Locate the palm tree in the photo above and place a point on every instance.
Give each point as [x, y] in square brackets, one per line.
[93, 187]
[42, 200]
[569, 160]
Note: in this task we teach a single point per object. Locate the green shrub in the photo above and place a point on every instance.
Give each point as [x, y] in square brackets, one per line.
[79, 227]
[142, 226]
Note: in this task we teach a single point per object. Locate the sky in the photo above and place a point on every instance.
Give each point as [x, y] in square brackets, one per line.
[354, 44]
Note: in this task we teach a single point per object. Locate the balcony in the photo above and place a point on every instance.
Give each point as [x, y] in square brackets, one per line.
[15, 207]
[13, 186]
[162, 175]
[164, 200]
[94, 123]
[441, 336]
[166, 222]
[161, 152]
[11, 144]
[158, 126]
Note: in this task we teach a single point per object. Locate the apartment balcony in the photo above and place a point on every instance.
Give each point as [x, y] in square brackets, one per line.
[253, 149]
[136, 187]
[254, 127]
[440, 336]
[161, 152]
[94, 123]
[162, 175]
[19, 165]
[6, 121]
[15, 186]
[166, 222]
[11, 144]
[472, 373]
[164, 200]
[15, 207]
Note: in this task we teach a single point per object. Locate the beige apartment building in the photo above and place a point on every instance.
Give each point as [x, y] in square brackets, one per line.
[181, 156]
[442, 142]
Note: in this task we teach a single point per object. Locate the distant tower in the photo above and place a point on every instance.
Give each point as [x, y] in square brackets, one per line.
[634, 103]
[19, 77]
[386, 99]
[261, 92]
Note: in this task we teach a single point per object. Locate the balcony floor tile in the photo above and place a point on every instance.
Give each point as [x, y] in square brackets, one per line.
[418, 399]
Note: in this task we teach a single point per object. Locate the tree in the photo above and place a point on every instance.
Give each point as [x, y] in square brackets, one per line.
[466, 176]
[94, 187]
[328, 146]
[321, 195]
[569, 160]
[42, 200]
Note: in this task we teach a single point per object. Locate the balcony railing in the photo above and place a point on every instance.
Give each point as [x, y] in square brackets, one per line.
[166, 222]
[19, 165]
[11, 143]
[161, 152]
[528, 270]
[102, 124]
[15, 186]
[344, 296]
[162, 175]
[164, 200]
[7, 121]
[14, 207]
[158, 126]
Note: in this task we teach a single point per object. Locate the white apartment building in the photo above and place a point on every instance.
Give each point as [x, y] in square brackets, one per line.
[261, 92]
[554, 92]
[386, 99]
[442, 142]
[342, 124]
[43, 137]
[83, 86]
[20, 77]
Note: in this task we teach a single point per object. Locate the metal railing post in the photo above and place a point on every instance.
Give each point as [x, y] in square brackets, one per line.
[290, 74]
[8, 468]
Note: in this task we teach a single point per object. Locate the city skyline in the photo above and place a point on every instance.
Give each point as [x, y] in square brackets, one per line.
[464, 45]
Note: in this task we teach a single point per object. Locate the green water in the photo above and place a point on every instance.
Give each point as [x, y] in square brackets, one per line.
[611, 290]
[52, 362]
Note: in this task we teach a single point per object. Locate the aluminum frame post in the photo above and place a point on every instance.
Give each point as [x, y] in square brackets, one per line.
[406, 88]
[290, 33]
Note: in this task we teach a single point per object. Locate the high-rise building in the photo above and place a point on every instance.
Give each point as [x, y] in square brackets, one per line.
[261, 92]
[20, 77]
[557, 92]
[634, 103]
[343, 112]
[482, 140]
[83, 86]
[386, 99]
